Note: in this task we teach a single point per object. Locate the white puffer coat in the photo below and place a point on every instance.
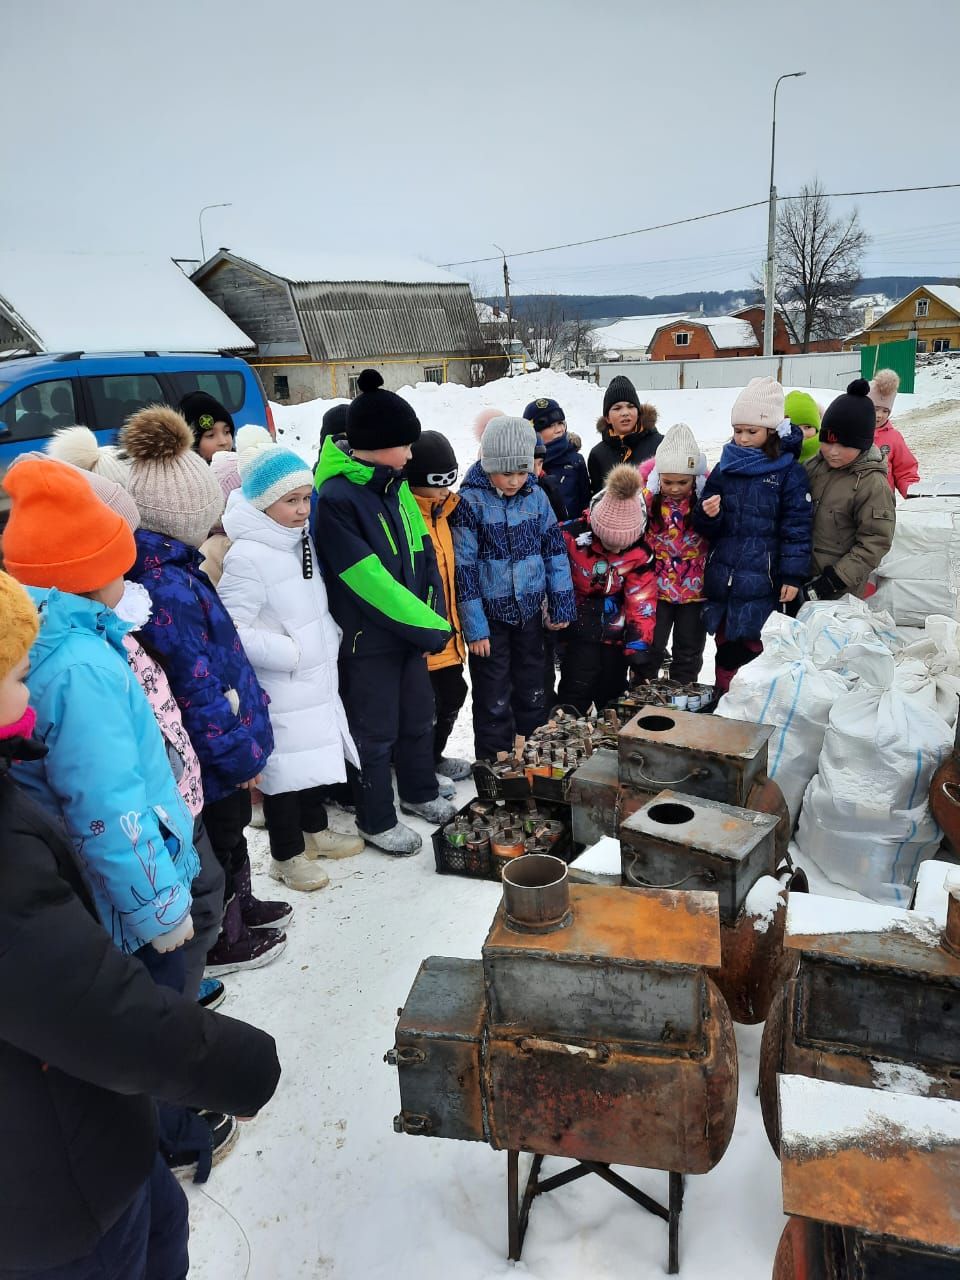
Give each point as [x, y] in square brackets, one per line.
[292, 643]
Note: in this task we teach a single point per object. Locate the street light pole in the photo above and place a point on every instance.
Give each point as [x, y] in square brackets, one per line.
[771, 272]
[227, 205]
[506, 293]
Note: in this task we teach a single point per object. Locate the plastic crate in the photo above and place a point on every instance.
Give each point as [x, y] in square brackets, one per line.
[461, 861]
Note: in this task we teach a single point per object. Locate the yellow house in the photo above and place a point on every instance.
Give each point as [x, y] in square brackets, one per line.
[931, 314]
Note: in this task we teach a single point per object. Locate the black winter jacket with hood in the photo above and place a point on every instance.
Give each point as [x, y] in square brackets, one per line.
[612, 449]
[86, 1041]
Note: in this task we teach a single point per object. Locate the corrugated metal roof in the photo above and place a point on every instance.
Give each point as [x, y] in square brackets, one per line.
[351, 268]
[364, 320]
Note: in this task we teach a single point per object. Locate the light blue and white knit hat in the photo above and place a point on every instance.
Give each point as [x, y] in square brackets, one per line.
[268, 471]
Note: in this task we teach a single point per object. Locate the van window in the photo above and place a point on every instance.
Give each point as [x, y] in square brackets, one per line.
[229, 388]
[37, 410]
[114, 399]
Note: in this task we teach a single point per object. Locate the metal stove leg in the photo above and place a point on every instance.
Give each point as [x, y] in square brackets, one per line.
[673, 1224]
[518, 1210]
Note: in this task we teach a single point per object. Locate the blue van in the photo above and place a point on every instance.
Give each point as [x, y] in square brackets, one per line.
[40, 393]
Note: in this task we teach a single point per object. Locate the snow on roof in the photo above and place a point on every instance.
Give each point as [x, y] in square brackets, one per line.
[344, 268]
[948, 294]
[112, 302]
[634, 333]
[728, 332]
[818, 1112]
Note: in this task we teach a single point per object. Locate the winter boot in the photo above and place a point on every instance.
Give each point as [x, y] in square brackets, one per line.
[446, 786]
[212, 993]
[454, 768]
[241, 948]
[400, 840]
[436, 812]
[331, 844]
[299, 872]
[256, 817]
[257, 914]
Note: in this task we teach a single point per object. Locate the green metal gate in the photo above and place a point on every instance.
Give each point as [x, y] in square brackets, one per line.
[901, 357]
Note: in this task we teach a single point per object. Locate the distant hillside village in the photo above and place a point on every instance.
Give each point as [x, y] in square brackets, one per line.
[310, 323]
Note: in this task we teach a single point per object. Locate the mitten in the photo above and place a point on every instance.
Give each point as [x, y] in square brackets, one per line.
[827, 585]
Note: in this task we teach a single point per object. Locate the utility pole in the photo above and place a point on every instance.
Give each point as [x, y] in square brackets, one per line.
[506, 293]
[771, 272]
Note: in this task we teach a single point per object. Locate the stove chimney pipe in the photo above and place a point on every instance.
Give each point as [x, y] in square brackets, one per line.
[536, 893]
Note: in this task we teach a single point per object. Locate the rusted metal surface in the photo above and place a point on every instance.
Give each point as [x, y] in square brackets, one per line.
[614, 1103]
[638, 927]
[703, 844]
[765, 796]
[951, 933]
[755, 965]
[945, 796]
[881, 1164]
[437, 1051]
[818, 1251]
[709, 756]
[536, 894]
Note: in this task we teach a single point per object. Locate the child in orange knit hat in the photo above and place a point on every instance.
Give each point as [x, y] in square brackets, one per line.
[106, 772]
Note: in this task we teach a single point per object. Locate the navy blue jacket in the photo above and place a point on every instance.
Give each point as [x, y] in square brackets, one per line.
[569, 481]
[380, 568]
[193, 638]
[761, 539]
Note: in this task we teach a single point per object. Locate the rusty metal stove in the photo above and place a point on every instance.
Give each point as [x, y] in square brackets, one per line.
[682, 841]
[876, 1001]
[873, 1183]
[589, 1030]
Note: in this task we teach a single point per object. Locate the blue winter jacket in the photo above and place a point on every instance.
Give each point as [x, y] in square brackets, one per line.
[568, 472]
[509, 555]
[193, 638]
[760, 540]
[106, 774]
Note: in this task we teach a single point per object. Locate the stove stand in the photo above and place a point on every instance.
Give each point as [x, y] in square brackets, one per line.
[518, 1207]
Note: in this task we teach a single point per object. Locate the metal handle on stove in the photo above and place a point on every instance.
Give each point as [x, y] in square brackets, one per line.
[637, 758]
[531, 1044]
[638, 882]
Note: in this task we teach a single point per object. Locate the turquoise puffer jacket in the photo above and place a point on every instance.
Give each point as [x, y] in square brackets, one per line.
[106, 774]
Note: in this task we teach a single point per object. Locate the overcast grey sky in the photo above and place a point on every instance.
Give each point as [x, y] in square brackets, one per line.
[437, 128]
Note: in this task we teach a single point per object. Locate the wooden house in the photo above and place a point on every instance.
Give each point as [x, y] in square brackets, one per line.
[931, 314]
[320, 321]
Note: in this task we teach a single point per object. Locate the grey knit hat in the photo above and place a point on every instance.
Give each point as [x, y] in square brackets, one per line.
[176, 492]
[507, 444]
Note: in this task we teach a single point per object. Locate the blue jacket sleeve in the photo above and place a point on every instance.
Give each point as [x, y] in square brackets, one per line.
[106, 804]
[561, 603]
[225, 747]
[796, 527]
[711, 527]
[463, 527]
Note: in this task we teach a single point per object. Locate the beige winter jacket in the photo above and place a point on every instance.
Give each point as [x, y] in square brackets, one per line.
[854, 516]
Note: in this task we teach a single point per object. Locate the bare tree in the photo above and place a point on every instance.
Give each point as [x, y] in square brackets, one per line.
[542, 326]
[818, 265]
[578, 340]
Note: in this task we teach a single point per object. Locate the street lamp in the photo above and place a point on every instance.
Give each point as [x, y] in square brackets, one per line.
[227, 205]
[771, 274]
[506, 293]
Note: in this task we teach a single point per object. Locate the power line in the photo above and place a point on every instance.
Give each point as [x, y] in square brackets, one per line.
[700, 217]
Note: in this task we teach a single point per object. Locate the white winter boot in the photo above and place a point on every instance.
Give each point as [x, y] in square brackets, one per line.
[454, 768]
[257, 819]
[446, 786]
[433, 811]
[331, 844]
[300, 873]
[400, 840]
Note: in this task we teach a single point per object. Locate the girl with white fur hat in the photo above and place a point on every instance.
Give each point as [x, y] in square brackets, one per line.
[673, 481]
[757, 515]
[902, 467]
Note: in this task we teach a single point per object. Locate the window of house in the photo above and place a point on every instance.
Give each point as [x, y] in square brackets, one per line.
[36, 411]
[941, 344]
[681, 339]
[281, 386]
[113, 400]
[433, 373]
[352, 385]
[923, 306]
[921, 346]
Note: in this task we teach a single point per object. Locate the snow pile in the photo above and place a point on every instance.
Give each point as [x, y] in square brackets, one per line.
[762, 902]
[602, 858]
[817, 1113]
[897, 1077]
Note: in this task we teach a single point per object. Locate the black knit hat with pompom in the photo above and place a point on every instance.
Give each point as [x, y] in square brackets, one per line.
[379, 419]
[850, 419]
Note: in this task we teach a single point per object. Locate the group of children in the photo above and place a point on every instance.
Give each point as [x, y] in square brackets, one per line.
[347, 601]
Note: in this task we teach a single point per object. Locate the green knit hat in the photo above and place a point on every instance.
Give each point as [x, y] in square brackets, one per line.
[802, 410]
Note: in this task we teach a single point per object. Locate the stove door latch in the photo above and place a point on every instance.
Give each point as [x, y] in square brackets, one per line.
[406, 1122]
[406, 1056]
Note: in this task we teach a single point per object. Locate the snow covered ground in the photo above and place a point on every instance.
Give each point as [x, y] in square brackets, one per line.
[319, 1185]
